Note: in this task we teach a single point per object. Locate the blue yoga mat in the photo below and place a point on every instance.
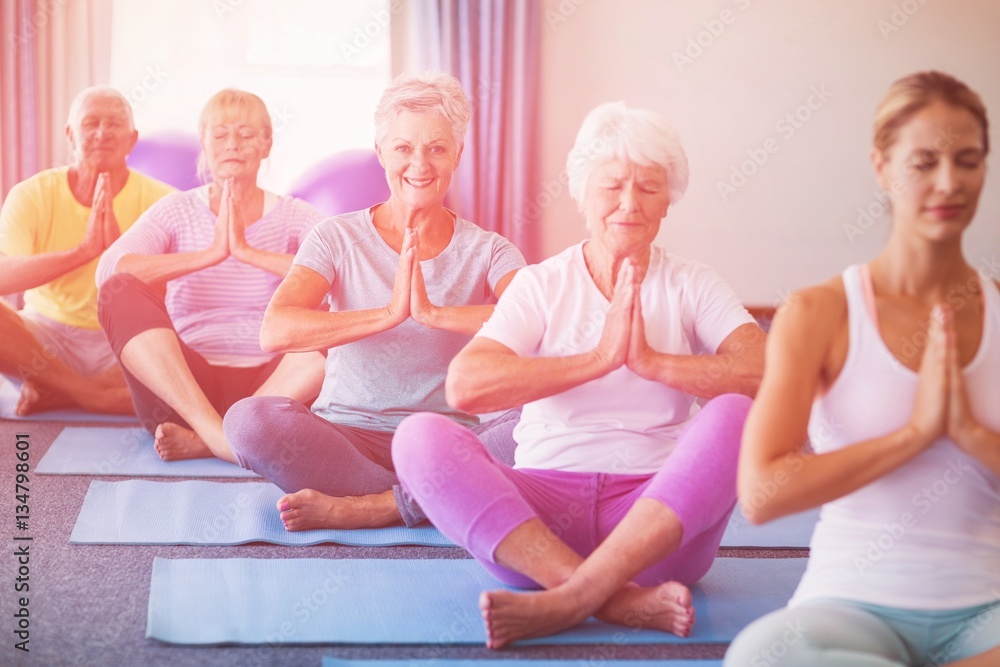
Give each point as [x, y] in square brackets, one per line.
[211, 513]
[590, 662]
[123, 451]
[10, 391]
[790, 531]
[275, 601]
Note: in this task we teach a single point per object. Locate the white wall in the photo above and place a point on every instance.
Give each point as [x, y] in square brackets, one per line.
[787, 226]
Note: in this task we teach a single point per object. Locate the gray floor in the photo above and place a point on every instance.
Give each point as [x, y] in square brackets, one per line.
[88, 603]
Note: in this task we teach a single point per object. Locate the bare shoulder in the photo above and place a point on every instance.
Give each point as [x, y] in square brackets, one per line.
[819, 307]
[809, 334]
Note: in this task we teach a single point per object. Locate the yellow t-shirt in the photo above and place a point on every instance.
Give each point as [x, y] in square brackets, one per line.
[40, 215]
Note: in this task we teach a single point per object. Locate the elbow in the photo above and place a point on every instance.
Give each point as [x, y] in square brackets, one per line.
[272, 338]
[270, 343]
[757, 500]
[753, 513]
[752, 384]
[107, 267]
[750, 379]
[458, 390]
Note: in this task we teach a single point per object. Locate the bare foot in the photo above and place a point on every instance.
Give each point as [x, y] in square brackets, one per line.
[173, 442]
[510, 616]
[312, 510]
[34, 398]
[666, 607]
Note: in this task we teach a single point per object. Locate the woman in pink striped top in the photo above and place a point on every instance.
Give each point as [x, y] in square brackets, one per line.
[219, 252]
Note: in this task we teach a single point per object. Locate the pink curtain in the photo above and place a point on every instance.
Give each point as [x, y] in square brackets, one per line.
[492, 47]
[18, 138]
[51, 50]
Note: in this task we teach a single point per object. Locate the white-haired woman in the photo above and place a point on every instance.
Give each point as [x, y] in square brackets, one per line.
[408, 282]
[619, 498]
[219, 252]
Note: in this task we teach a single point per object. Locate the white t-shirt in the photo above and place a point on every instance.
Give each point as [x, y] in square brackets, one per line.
[619, 423]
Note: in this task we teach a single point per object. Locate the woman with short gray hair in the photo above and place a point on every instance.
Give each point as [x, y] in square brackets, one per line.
[408, 282]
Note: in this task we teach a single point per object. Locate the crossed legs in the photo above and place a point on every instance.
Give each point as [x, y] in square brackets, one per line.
[178, 395]
[521, 526]
[335, 476]
[48, 381]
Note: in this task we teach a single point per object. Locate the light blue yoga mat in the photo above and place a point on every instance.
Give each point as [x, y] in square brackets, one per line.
[392, 601]
[589, 662]
[123, 451]
[789, 531]
[212, 513]
[10, 391]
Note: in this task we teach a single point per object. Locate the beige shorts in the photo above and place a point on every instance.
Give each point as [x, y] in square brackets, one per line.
[84, 350]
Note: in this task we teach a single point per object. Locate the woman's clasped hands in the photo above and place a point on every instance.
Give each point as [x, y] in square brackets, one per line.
[409, 294]
[623, 342]
[942, 404]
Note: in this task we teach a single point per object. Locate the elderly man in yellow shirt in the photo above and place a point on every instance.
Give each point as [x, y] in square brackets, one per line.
[54, 227]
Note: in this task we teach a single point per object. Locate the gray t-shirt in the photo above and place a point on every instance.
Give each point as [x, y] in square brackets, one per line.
[375, 382]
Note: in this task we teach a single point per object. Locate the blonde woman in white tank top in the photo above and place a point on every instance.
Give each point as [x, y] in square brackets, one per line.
[893, 369]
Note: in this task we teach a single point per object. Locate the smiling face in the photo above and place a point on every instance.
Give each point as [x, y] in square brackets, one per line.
[624, 203]
[934, 171]
[234, 146]
[419, 155]
[101, 133]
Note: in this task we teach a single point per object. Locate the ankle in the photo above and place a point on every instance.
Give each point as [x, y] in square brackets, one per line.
[379, 509]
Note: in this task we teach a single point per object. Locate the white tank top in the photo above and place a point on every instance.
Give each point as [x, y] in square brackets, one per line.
[926, 536]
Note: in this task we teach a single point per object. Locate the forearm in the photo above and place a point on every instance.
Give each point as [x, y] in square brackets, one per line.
[705, 376]
[297, 329]
[489, 382]
[984, 445]
[466, 320]
[23, 272]
[155, 269]
[273, 262]
[798, 481]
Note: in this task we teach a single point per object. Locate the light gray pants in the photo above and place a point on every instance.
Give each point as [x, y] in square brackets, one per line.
[285, 443]
[842, 633]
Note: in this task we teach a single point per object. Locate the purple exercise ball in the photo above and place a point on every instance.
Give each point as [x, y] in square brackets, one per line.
[344, 182]
[171, 158]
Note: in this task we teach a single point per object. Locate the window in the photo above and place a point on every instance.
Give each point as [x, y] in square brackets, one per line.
[320, 67]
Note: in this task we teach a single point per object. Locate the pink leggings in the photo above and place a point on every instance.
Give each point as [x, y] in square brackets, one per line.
[477, 502]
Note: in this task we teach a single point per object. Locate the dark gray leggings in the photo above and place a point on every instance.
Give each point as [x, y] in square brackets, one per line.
[284, 442]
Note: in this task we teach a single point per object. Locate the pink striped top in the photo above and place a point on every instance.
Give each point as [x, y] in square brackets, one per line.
[218, 310]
